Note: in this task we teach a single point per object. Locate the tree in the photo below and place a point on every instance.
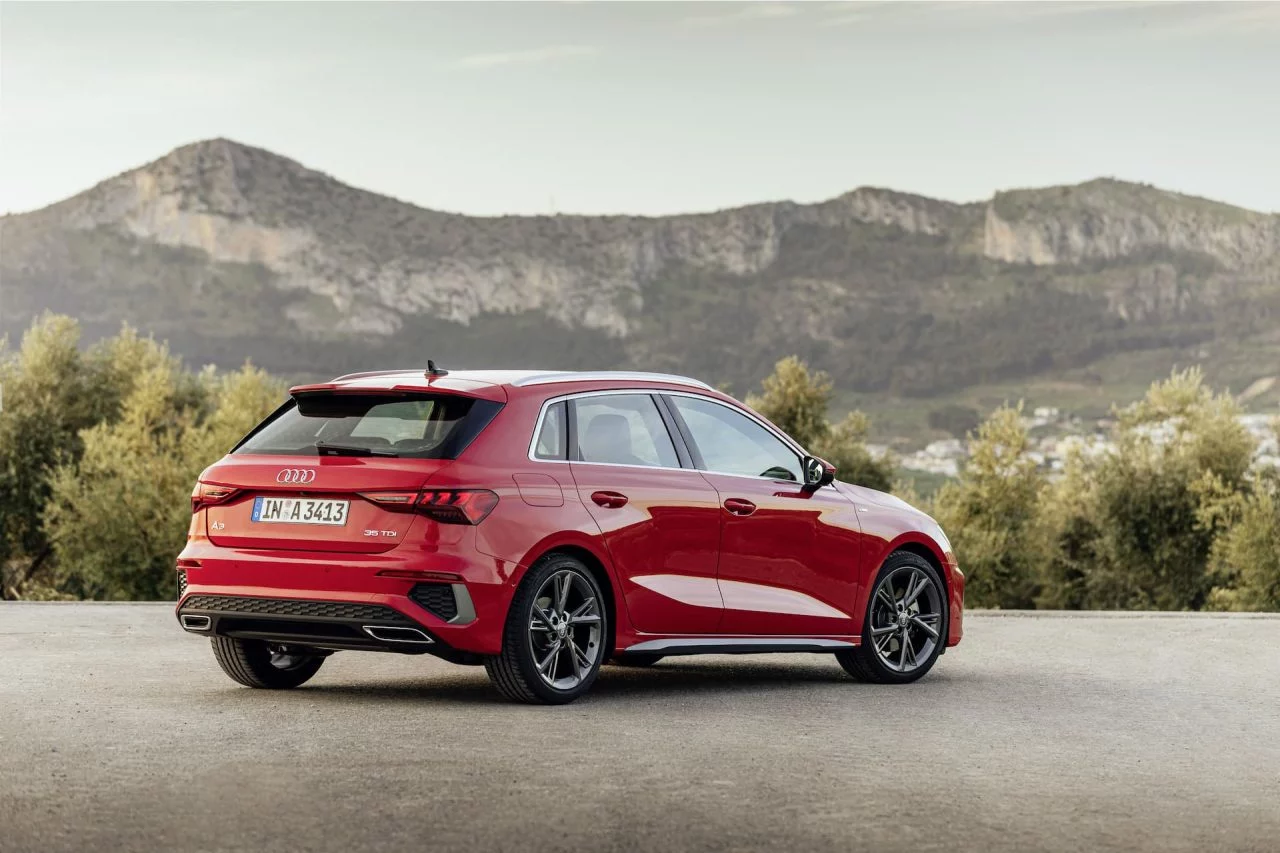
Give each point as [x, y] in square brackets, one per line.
[1246, 556]
[50, 394]
[1131, 528]
[1245, 560]
[991, 514]
[118, 517]
[797, 401]
[845, 447]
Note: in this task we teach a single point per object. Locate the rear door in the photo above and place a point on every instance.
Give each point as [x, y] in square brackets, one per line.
[332, 471]
[788, 556]
[660, 521]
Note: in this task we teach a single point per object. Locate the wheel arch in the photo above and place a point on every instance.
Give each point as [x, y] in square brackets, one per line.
[930, 556]
[603, 578]
[909, 543]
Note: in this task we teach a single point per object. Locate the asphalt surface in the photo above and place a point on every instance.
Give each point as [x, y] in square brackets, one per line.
[119, 732]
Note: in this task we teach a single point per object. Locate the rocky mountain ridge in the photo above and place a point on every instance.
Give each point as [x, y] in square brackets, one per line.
[312, 258]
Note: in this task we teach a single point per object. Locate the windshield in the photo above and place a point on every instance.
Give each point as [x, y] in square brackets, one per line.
[420, 426]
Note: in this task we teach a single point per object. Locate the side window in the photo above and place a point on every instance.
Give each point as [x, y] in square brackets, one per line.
[732, 443]
[622, 429]
[552, 437]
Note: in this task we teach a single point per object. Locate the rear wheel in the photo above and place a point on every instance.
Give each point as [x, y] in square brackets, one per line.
[905, 628]
[257, 663]
[638, 659]
[554, 639]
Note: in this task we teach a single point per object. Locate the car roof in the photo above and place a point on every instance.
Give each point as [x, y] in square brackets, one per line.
[520, 378]
[489, 383]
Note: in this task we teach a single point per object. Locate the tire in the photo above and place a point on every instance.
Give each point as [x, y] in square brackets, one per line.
[638, 659]
[880, 658]
[250, 662]
[538, 664]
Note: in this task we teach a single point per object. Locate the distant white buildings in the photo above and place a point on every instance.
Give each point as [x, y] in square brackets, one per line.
[938, 457]
[1051, 452]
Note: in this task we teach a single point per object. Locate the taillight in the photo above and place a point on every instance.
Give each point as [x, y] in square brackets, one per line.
[207, 494]
[448, 506]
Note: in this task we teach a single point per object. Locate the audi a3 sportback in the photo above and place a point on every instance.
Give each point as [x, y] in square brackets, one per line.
[543, 523]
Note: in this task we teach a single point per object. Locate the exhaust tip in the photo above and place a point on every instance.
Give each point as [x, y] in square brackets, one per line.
[396, 634]
[196, 623]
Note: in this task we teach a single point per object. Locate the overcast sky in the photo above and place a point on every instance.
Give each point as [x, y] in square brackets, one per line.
[651, 108]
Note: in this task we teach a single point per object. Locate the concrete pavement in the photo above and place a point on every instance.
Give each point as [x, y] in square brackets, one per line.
[118, 732]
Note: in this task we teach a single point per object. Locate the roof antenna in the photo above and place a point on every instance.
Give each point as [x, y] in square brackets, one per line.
[432, 370]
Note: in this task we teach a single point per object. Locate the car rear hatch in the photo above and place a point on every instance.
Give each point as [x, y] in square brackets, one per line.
[338, 468]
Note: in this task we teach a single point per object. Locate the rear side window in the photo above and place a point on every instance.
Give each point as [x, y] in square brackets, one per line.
[418, 426]
[622, 429]
[552, 436]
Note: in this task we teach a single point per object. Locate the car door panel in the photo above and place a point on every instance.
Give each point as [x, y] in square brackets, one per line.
[788, 567]
[788, 555]
[661, 524]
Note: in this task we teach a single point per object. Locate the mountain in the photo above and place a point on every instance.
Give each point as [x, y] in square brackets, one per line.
[230, 251]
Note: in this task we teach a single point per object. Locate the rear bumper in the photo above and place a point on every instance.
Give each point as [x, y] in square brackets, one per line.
[329, 625]
[330, 600]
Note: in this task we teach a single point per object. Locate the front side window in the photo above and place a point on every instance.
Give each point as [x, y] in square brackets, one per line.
[421, 426]
[732, 443]
[622, 429]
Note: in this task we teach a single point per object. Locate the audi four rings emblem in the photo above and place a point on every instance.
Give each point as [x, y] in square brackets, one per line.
[296, 475]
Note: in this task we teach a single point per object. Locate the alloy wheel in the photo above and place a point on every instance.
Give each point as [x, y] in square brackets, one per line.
[564, 630]
[906, 619]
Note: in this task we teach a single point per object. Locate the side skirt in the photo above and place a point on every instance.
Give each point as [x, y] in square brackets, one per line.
[736, 645]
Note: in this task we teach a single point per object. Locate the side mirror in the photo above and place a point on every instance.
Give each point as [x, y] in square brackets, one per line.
[817, 472]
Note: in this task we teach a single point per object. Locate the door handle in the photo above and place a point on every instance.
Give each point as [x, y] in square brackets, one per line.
[609, 500]
[739, 506]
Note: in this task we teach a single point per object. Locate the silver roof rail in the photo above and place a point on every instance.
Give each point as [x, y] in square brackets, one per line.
[365, 373]
[606, 376]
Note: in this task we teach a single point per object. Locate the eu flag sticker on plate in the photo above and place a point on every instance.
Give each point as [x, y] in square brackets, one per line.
[257, 509]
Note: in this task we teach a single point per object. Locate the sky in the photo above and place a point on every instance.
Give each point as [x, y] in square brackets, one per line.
[651, 108]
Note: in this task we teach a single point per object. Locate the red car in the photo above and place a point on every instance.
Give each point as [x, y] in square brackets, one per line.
[543, 523]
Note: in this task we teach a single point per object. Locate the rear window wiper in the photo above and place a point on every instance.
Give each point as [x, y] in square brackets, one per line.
[328, 449]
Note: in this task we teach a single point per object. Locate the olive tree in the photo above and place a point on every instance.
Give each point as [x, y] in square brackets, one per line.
[991, 514]
[798, 401]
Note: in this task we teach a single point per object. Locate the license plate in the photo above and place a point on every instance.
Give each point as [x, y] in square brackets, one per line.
[300, 511]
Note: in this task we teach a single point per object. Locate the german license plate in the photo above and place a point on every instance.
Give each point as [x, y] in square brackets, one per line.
[300, 511]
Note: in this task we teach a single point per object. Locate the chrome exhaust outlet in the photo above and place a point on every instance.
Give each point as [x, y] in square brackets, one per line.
[196, 623]
[396, 634]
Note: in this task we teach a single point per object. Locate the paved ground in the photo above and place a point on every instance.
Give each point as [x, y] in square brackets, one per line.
[118, 732]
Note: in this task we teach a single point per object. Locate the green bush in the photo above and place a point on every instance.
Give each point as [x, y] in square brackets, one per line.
[98, 454]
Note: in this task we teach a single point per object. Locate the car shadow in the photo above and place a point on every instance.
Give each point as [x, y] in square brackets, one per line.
[670, 679]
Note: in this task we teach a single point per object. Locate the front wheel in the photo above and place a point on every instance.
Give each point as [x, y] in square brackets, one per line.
[554, 639]
[905, 626]
[256, 663]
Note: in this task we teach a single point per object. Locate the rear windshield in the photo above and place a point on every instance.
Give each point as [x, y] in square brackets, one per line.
[418, 426]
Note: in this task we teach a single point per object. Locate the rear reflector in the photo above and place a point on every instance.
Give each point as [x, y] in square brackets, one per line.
[448, 506]
[415, 575]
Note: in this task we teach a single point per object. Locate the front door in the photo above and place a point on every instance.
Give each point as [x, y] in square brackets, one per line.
[660, 521]
[788, 556]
